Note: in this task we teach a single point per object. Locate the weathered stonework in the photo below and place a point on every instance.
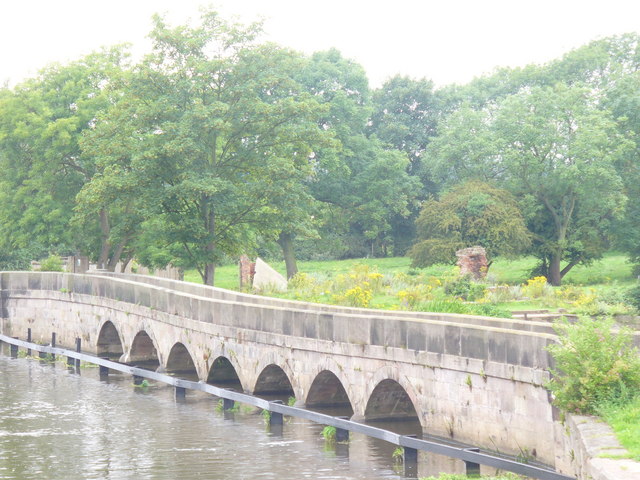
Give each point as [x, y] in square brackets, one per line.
[247, 271]
[473, 262]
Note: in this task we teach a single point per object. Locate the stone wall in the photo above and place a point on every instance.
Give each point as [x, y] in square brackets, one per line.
[584, 447]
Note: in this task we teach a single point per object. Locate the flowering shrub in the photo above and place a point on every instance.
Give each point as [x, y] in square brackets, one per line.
[412, 296]
[536, 287]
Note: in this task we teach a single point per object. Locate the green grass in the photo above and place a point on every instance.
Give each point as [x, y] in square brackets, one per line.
[625, 422]
[605, 282]
[613, 268]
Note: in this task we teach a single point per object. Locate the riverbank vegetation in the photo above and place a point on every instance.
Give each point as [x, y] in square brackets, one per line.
[607, 287]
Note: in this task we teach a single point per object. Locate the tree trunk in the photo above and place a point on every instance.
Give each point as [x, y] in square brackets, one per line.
[285, 240]
[555, 276]
[115, 258]
[209, 273]
[104, 239]
[210, 267]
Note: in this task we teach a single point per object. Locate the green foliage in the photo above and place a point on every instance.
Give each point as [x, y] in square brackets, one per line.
[329, 434]
[53, 263]
[594, 363]
[19, 258]
[472, 213]
[624, 417]
[555, 150]
[465, 288]
[632, 296]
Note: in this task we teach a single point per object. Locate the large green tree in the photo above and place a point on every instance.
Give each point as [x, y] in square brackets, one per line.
[42, 167]
[557, 151]
[472, 213]
[362, 182]
[222, 135]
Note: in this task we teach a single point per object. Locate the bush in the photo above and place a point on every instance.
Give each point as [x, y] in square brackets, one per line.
[536, 287]
[51, 264]
[595, 363]
[633, 297]
[465, 288]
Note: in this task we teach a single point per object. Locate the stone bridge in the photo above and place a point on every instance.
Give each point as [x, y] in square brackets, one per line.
[473, 379]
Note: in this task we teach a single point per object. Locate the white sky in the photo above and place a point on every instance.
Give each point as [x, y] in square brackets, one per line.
[448, 41]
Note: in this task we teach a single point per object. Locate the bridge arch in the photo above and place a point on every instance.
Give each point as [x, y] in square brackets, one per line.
[327, 390]
[109, 343]
[391, 396]
[143, 352]
[274, 382]
[180, 363]
[223, 373]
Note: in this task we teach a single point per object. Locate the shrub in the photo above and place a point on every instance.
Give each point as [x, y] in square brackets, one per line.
[465, 288]
[633, 297]
[595, 363]
[536, 287]
[53, 263]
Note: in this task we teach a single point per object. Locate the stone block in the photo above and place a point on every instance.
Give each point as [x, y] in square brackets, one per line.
[497, 347]
[436, 335]
[376, 332]
[452, 340]
[310, 326]
[286, 321]
[266, 277]
[416, 336]
[473, 343]
[325, 326]
[395, 334]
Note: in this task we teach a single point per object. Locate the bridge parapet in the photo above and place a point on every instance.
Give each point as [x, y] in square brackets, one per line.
[482, 338]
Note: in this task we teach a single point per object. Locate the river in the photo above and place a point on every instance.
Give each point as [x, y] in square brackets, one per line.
[55, 424]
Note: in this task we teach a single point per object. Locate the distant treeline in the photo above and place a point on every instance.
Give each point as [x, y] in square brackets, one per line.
[217, 144]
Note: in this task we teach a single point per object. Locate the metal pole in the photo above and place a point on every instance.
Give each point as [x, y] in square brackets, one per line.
[276, 418]
[342, 435]
[53, 344]
[78, 349]
[28, 340]
[410, 461]
[473, 469]
[181, 393]
[14, 350]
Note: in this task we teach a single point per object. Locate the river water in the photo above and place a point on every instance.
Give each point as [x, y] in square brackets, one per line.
[55, 424]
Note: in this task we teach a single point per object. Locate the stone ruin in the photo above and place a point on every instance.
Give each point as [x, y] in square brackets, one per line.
[473, 262]
[247, 271]
[260, 276]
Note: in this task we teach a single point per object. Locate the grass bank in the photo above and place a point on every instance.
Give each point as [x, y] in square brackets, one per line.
[392, 283]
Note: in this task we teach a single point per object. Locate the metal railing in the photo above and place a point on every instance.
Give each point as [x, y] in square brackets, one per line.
[470, 455]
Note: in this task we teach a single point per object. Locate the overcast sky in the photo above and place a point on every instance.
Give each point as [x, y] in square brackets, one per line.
[444, 40]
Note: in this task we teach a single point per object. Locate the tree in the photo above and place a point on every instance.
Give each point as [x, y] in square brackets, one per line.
[405, 116]
[559, 152]
[472, 213]
[41, 163]
[361, 182]
[556, 151]
[220, 133]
